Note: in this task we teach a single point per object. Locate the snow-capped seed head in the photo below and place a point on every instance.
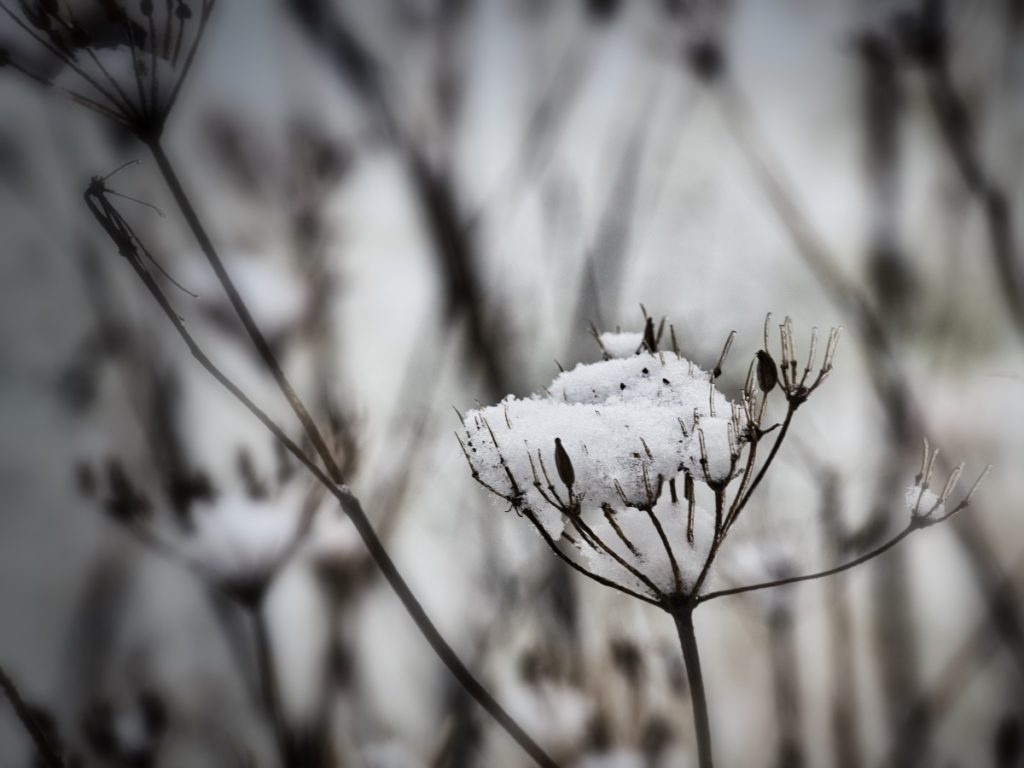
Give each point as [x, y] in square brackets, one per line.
[239, 540]
[927, 507]
[620, 424]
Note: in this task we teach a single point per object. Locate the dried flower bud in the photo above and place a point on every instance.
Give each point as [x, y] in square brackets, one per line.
[564, 464]
[183, 12]
[767, 372]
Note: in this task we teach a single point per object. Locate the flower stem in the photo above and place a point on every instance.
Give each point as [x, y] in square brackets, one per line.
[48, 752]
[266, 670]
[331, 477]
[702, 725]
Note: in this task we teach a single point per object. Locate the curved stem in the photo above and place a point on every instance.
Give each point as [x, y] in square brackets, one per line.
[691, 657]
[879, 550]
[741, 501]
[49, 753]
[351, 506]
[238, 304]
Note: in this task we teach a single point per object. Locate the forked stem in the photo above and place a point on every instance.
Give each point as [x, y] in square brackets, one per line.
[331, 479]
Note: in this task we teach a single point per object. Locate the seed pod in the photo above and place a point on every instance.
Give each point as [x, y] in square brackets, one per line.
[767, 372]
[563, 464]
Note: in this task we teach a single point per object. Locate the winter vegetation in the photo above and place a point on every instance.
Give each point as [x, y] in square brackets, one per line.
[257, 252]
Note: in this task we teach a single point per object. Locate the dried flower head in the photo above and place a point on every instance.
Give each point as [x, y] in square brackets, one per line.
[127, 65]
[597, 461]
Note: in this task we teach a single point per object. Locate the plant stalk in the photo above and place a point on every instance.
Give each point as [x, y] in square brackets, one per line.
[331, 479]
[691, 656]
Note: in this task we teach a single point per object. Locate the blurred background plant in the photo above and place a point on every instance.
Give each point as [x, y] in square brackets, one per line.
[424, 203]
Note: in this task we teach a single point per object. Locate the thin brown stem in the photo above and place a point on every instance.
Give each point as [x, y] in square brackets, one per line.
[238, 304]
[879, 550]
[352, 507]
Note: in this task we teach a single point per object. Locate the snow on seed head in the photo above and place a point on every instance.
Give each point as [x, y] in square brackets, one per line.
[622, 344]
[599, 448]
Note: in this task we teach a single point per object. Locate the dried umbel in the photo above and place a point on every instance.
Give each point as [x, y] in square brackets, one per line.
[125, 63]
[606, 463]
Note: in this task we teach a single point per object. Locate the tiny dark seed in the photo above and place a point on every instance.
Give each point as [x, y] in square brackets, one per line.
[622, 386]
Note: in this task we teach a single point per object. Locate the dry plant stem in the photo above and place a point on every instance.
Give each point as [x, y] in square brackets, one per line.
[351, 506]
[266, 668]
[887, 377]
[741, 500]
[49, 753]
[257, 338]
[691, 656]
[880, 550]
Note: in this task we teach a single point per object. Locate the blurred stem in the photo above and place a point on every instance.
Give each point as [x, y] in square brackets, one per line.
[349, 502]
[251, 329]
[914, 525]
[266, 672]
[785, 669]
[50, 754]
[691, 656]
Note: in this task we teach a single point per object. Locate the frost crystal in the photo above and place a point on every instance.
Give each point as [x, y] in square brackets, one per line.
[629, 428]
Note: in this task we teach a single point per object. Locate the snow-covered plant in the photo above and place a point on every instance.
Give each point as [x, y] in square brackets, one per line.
[606, 462]
[237, 541]
[612, 461]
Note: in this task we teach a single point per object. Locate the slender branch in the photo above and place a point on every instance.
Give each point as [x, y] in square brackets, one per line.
[49, 753]
[691, 657]
[914, 525]
[266, 670]
[351, 506]
[237, 303]
[741, 501]
[576, 566]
